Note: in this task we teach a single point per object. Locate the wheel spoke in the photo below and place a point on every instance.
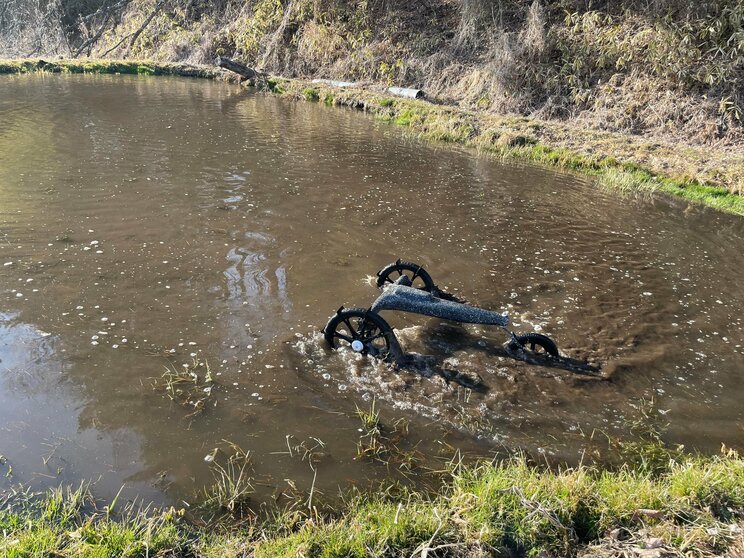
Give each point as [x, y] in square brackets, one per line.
[363, 323]
[373, 337]
[354, 333]
[344, 337]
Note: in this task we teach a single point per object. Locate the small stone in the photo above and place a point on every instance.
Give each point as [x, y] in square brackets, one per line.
[653, 543]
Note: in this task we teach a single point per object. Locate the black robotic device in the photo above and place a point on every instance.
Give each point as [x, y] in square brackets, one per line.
[407, 287]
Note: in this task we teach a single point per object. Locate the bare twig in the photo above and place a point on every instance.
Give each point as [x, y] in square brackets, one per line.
[92, 40]
[538, 509]
[142, 27]
[269, 55]
[117, 45]
[424, 548]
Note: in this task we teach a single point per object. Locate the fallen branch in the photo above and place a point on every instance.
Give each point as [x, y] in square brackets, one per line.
[245, 73]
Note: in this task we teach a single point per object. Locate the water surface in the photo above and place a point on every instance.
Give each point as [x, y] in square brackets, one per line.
[147, 224]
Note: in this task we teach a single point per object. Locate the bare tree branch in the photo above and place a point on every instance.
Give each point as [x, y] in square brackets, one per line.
[139, 31]
[92, 40]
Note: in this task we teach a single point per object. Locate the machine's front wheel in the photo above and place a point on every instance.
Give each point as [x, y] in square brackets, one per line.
[538, 344]
[418, 276]
[362, 330]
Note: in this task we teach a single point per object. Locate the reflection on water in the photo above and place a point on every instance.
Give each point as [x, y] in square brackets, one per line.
[149, 223]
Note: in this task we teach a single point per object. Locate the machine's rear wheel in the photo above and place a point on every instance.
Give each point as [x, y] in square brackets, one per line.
[420, 279]
[362, 330]
[538, 344]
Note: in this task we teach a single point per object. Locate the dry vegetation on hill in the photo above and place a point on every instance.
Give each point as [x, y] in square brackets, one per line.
[673, 68]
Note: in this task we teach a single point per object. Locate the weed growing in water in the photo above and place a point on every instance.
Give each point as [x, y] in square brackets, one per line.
[4, 462]
[647, 451]
[383, 445]
[191, 386]
[232, 486]
[370, 418]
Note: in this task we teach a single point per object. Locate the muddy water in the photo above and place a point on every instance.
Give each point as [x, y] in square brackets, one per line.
[150, 224]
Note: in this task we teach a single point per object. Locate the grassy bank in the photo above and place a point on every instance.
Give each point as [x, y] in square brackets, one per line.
[131, 67]
[689, 506]
[619, 161]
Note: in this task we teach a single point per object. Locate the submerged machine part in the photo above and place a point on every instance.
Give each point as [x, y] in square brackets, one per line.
[407, 287]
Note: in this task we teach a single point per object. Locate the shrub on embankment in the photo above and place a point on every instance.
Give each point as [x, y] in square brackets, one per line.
[668, 67]
[685, 506]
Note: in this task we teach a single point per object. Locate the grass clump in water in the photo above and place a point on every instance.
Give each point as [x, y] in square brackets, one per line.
[144, 70]
[381, 443]
[233, 486]
[191, 385]
[275, 85]
[311, 95]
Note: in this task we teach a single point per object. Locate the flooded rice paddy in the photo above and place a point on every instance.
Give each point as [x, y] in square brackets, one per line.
[170, 250]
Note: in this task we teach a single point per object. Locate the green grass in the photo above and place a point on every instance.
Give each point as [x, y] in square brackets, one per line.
[503, 508]
[276, 85]
[311, 94]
